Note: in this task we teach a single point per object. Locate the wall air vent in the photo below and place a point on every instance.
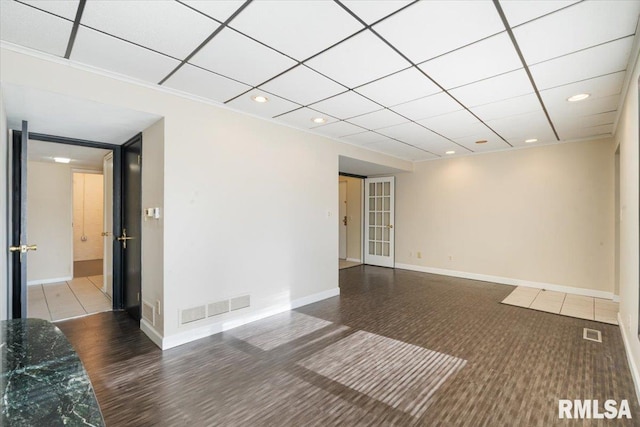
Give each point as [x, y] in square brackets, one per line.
[189, 315]
[239, 302]
[216, 308]
[148, 313]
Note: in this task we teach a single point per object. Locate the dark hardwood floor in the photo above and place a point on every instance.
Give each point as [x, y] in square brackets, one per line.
[396, 348]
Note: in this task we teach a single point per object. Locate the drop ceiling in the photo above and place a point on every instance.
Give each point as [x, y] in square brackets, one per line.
[413, 79]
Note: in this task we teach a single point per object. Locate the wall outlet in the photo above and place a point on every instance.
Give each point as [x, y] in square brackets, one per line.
[419, 254]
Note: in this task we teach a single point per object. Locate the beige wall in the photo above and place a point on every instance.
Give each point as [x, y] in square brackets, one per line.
[49, 219]
[542, 214]
[153, 229]
[627, 137]
[88, 216]
[4, 195]
[354, 214]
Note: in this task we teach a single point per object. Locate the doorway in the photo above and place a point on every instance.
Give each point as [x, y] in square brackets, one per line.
[349, 221]
[109, 241]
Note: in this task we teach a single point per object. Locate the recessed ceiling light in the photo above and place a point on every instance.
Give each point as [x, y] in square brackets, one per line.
[450, 152]
[319, 120]
[578, 97]
[481, 141]
[61, 160]
[529, 141]
[259, 98]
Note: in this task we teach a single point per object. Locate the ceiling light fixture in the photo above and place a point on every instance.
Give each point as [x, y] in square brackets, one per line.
[578, 97]
[529, 141]
[450, 152]
[319, 120]
[259, 98]
[61, 160]
[481, 141]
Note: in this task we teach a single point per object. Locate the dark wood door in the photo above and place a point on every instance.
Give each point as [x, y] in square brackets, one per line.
[130, 238]
[18, 241]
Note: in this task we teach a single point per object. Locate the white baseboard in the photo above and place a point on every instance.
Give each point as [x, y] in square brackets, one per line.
[508, 281]
[354, 260]
[214, 328]
[151, 332]
[635, 373]
[45, 281]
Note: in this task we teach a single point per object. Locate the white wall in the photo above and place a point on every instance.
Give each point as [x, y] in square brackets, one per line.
[627, 137]
[153, 229]
[234, 221]
[542, 214]
[49, 222]
[4, 196]
[88, 216]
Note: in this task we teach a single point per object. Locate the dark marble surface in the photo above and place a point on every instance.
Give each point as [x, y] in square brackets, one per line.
[42, 380]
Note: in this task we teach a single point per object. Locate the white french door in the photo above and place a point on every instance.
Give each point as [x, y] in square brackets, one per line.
[379, 220]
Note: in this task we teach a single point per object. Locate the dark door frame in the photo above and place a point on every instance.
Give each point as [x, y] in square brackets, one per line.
[118, 279]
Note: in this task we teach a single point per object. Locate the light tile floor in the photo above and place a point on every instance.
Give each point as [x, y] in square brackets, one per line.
[57, 301]
[590, 308]
[346, 264]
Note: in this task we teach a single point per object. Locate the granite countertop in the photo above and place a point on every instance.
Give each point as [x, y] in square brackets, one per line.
[42, 380]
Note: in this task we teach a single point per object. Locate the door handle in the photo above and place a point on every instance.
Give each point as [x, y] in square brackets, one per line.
[23, 249]
[124, 238]
[344, 220]
[389, 226]
[105, 234]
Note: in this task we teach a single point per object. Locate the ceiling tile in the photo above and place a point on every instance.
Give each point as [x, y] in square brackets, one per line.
[454, 125]
[403, 151]
[519, 11]
[303, 85]
[508, 107]
[359, 60]
[273, 107]
[296, 28]
[219, 9]
[233, 55]
[429, 106]
[592, 105]
[579, 26]
[517, 129]
[169, 27]
[568, 124]
[371, 11]
[416, 135]
[587, 132]
[596, 61]
[204, 83]
[365, 138]
[481, 60]
[427, 29]
[600, 87]
[497, 88]
[338, 129]
[378, 119]
[493, 143]
[65, 8]
[109, 53]
[303, 118]
[32, 28]
[401, 87]
[345, 105]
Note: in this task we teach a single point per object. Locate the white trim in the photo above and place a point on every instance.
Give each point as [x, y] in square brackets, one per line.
[151, 332]
[45, 281]
[214, 328]
[354, 260]
[616, 298]
[635, 373]
[509, 281]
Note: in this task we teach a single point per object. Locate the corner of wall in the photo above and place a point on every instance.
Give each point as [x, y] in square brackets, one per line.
[4, 197]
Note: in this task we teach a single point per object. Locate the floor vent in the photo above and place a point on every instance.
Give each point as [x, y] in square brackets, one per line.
[148, 313]
[592, 335]
[239, 302]
[216, 308]
[192, 314]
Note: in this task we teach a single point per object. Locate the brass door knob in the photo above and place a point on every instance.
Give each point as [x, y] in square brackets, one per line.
[389, 226]
[23, 248]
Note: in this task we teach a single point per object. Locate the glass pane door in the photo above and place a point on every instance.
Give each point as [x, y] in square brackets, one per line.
[379, 235]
